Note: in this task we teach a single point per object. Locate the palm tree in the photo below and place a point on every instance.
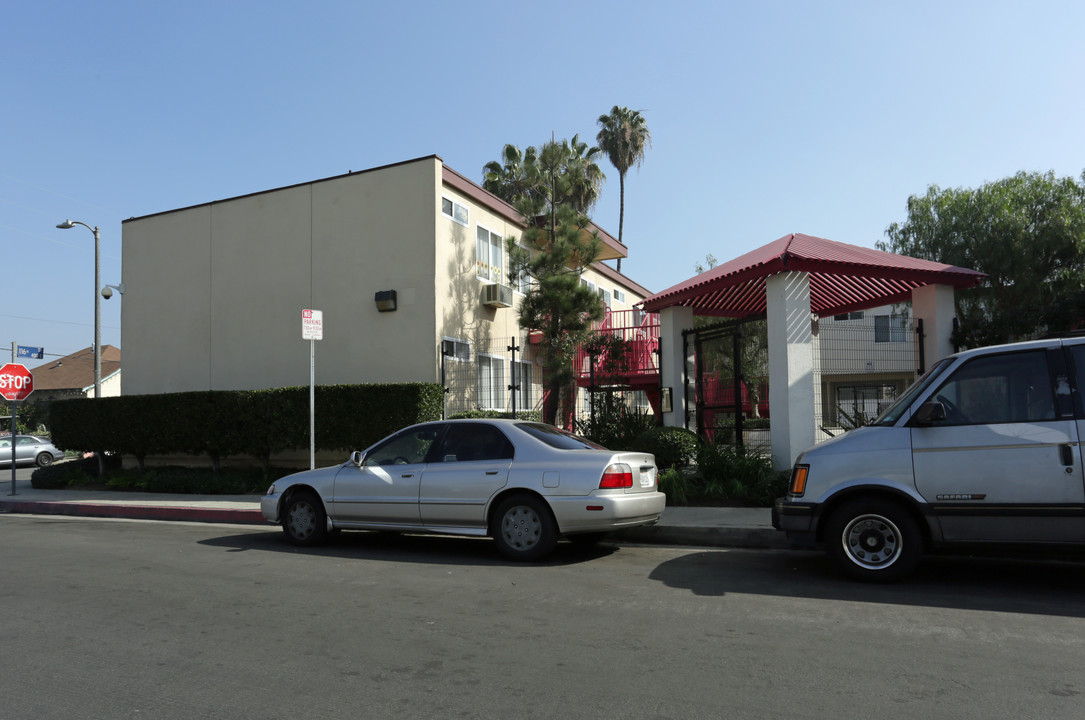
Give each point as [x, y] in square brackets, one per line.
[586, 177]
[623, 136]
[509, 179]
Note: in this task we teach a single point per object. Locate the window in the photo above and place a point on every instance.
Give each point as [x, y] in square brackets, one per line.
[522, 375]
[605, 296]
[619, 296]
[407, 448]
[460, 349]
[1015, 387]
[557, 438]
[849, 316]
[489, 256]
[587, 284]
[491, 382]
[467, 442]
[890, 328]
[454, 210]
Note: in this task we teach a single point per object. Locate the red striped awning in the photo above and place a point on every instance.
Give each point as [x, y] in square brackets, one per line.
[843, 278]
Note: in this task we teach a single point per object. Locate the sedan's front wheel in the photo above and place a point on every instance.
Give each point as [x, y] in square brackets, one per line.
[304, 520]
[524, 529]
[44, 459]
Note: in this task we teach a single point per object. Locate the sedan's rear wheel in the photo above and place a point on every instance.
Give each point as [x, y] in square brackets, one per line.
[873, 539]
[44, 459]
[524, 529]
[304, 520]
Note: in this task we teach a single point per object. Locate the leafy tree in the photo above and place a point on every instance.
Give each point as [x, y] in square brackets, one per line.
[555, 185]
[1027, 232]
[623, 135]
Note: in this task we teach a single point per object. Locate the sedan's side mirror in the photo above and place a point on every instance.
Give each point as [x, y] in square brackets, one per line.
[929, 413]
[357, 458]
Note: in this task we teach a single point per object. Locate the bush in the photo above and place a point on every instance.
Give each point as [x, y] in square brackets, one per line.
[672, 446]
[676, 485]
[730, 472]
[529, 415]
[617, 430]
[171, 479]
[257, 423]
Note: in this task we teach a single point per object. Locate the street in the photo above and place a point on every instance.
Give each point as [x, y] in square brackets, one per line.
[122, 619]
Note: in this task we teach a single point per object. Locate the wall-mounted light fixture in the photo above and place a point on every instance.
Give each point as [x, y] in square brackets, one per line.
[386, 300]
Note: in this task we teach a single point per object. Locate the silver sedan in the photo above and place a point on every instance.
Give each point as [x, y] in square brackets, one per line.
[29, 449]
[525, 484]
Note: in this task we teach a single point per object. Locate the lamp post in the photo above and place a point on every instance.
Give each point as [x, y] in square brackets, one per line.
[67, 225]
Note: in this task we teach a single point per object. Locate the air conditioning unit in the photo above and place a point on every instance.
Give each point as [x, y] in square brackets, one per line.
[498, 296]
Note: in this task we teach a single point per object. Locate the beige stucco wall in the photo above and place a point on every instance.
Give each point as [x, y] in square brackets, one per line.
[460, 312]
[111, 386]
[214, 294]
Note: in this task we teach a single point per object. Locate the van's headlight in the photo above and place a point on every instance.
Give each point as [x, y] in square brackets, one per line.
[798, 480]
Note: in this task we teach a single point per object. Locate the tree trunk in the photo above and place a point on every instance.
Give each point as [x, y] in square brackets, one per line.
[621, 212]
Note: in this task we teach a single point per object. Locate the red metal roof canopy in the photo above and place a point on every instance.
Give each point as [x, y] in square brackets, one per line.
[842, 278]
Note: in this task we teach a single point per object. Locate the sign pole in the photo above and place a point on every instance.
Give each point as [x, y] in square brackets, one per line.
[16, 383]
[12, 403]
[312, 404]
[312, 329]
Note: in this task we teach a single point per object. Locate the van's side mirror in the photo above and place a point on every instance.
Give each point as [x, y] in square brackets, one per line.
[357, 458]
[929, 413]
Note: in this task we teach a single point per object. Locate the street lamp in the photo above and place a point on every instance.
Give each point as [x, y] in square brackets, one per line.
[68, 225]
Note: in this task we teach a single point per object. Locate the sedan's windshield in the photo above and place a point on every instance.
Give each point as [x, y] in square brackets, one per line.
[894, 411]
[558, 438]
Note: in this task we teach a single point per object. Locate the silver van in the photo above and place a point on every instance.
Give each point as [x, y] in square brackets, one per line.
[984, 449]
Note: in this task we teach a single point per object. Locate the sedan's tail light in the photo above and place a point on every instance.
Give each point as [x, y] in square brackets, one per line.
[618, 475]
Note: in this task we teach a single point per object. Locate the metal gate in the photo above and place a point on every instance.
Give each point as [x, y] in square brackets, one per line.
[715, 385]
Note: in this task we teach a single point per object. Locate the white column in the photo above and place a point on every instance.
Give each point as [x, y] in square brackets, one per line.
[934, 304]
[672, 321]
[791, 366]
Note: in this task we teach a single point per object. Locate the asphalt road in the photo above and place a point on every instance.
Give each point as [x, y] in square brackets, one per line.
[123, 619]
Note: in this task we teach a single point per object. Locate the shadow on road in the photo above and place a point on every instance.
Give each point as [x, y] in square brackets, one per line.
[405, 547]
[995, 584]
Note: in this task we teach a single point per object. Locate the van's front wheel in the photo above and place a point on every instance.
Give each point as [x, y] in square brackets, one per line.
[873, 540]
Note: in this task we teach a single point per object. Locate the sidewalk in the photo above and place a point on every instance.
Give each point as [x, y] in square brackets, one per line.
[698, 526]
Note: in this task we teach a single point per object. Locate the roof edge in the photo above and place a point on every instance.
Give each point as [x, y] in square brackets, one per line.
[285, 187]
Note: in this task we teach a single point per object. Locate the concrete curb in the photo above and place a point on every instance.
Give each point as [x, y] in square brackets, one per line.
[702, 531]
[135, 512]
[729, 537]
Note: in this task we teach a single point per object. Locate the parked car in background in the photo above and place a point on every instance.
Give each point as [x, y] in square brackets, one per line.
[29, 449]
[985, 449]
[525, 484]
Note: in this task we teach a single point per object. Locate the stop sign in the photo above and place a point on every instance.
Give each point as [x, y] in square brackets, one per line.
[16, 382]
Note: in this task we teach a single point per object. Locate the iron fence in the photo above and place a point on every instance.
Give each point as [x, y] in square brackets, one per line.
[862, 362]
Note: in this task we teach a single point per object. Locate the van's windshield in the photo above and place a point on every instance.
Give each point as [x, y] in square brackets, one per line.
[894, 411]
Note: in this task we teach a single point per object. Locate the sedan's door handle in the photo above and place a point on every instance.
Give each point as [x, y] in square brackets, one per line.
[1066, 453]
[492, 472]
[407, 475]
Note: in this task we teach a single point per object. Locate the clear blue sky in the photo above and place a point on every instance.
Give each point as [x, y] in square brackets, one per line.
[767, 117]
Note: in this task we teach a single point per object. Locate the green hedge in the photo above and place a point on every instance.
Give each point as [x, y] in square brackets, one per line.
[674, 447]
[528, 415]
[257, 423]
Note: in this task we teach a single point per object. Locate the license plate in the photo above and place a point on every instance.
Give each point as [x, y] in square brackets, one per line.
[647, 477]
